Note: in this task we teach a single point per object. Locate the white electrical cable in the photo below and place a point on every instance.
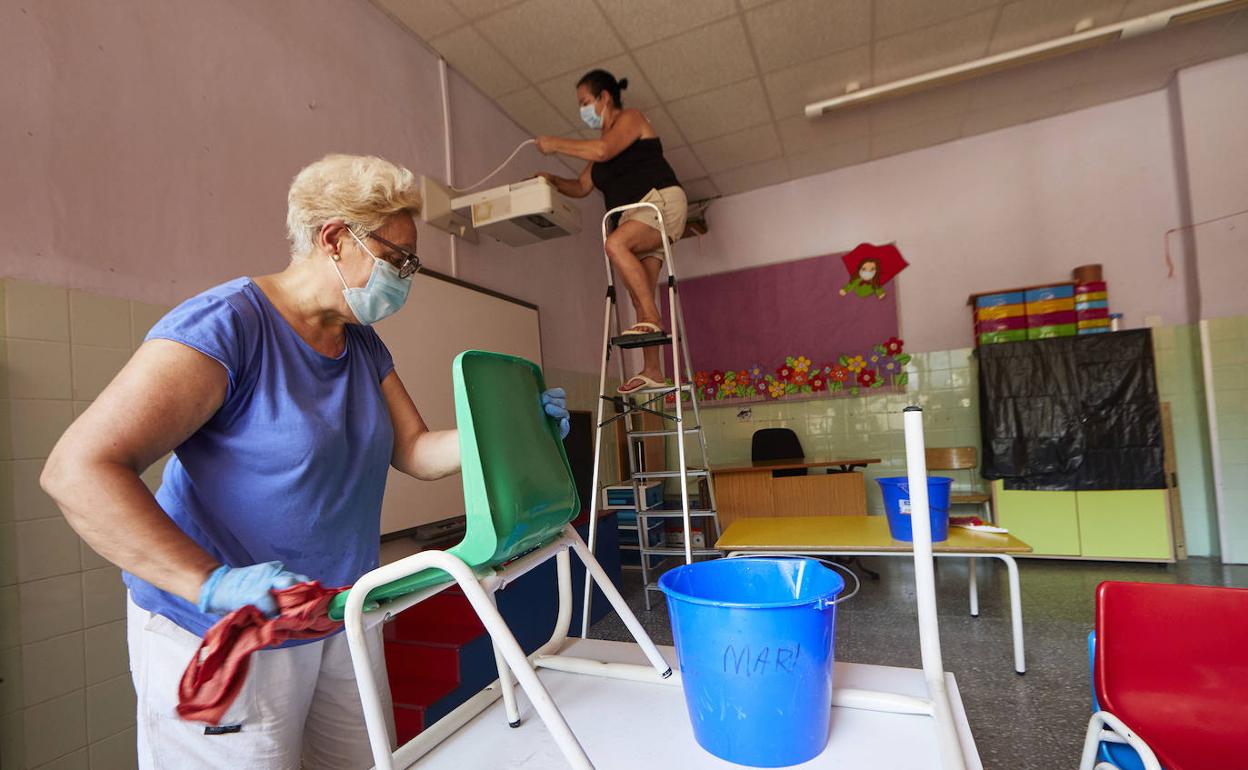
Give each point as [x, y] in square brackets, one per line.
[501, 166]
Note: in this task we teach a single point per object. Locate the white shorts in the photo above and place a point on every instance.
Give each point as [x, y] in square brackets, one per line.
[675, 207]
[298, 708]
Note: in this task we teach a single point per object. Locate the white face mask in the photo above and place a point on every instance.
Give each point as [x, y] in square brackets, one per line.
[590, 116]
[382, 296]
[866, 273]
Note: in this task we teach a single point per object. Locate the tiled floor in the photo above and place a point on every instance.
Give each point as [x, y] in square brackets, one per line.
[1035, 721]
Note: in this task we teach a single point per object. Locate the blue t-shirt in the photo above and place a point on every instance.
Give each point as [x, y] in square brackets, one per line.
[293, 465]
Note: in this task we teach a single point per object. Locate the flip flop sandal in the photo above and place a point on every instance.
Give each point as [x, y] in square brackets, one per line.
[646, 382]
[643, 327]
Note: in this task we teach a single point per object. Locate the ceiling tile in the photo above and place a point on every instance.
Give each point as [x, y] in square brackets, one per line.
[721, 111]
[790, 90]
[920, 107]
[561, 90]
[829, 158]
[1030, 81]
[469, 53]
[547, 37]
[665, 127]
[427, 18]
[1026, 22]
[892, 17]
[645, 21]
[801, 134]
[684, 163]
[697, 61]
[531, 110]
[752, 145]
[475, 9]
[1136, 8]
[752, 177]
[916, 137]
[932, 48]
[1016, 113]
[794, 31]
[700, 189]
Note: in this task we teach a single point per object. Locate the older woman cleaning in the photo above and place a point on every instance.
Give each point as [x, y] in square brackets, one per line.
[283, 412]
[628, 166]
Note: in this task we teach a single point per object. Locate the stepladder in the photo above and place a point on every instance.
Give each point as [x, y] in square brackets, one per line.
[668, 414]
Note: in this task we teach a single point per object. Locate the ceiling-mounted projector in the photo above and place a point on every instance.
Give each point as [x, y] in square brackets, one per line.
[522, 213]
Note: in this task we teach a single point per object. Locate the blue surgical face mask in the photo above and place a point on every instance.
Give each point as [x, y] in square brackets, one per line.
[382, 296]
[591, 116]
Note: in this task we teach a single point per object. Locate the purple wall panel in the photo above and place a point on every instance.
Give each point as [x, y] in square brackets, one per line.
[762, 314]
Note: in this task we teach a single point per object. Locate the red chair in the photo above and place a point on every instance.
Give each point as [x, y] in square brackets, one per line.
[1171, 673]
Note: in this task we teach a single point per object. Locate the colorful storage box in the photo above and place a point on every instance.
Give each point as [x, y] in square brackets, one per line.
[1047, 293]
[1093, 323]
[620, 496]
[1056, 318]
[630, 556]
[1011, 335]
[1053, 305]
[996, 300]
[1093, 314]
[1048, 332]
[1095, 330]
[1097, 304]
[1091, 287]
[998, 312]
[1001, 325]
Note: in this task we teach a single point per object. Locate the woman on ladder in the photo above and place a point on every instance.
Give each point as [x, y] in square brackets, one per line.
[627, 165]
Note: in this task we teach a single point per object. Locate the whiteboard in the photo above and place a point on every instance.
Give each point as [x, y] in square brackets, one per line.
[442, 318]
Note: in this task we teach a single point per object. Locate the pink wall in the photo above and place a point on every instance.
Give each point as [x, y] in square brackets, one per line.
[1214, 103]
[147, 147]
[1017, 206]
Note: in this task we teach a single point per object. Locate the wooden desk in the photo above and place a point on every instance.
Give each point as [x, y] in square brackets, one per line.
[749, 490]
[869, 536]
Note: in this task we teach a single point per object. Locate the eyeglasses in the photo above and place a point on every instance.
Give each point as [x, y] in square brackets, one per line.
[410, 263]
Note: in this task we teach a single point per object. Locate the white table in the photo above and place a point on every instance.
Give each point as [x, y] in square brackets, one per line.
[628, 725]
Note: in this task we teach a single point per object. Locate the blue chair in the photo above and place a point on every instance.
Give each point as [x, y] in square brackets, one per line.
[1119, 755]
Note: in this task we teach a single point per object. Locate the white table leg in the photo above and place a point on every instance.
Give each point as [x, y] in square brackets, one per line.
[972, 572]
[1016, 610]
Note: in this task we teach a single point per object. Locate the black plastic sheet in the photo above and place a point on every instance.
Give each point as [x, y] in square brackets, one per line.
[1072, 413]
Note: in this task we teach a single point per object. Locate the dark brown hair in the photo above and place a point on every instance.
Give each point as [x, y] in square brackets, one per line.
[598, 81]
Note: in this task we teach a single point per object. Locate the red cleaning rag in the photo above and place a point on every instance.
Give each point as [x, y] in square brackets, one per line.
[215, 675]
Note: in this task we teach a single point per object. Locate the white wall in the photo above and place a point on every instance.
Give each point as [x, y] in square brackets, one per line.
[1018, 206]
[1214, 103]
[148, 147]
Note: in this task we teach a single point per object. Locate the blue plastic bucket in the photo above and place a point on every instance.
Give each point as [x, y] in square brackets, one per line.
[754, 637]
[896, 491]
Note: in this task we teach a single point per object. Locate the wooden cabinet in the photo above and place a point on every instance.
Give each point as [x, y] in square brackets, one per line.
[1120, 524]
[1047, 521]
[1127, 524]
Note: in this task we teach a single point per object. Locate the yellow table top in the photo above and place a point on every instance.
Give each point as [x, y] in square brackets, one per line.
[849, 533]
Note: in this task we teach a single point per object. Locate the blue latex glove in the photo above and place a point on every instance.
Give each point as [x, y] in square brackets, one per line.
[229, 588]
[555, 404]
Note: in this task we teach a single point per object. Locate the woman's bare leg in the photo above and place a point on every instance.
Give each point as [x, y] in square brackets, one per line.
[639, 276]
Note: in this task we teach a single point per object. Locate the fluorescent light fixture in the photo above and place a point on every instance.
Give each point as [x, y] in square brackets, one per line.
[1090, 38]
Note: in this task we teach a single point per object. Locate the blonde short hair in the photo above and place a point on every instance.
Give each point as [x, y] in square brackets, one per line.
[361, 190]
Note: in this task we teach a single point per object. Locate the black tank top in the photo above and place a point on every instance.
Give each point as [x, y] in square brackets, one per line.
[637, 170]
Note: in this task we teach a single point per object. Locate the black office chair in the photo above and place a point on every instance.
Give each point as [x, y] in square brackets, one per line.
[777, 444]
[783, 444]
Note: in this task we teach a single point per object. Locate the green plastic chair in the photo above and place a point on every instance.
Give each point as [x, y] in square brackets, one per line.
[519, 491]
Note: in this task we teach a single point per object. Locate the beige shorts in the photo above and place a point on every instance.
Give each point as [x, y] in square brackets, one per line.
[674, 205]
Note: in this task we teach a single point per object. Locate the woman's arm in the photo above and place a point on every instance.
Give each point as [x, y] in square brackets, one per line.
[628, 128]
[162, 396]
[573, 188]
[419, 452]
